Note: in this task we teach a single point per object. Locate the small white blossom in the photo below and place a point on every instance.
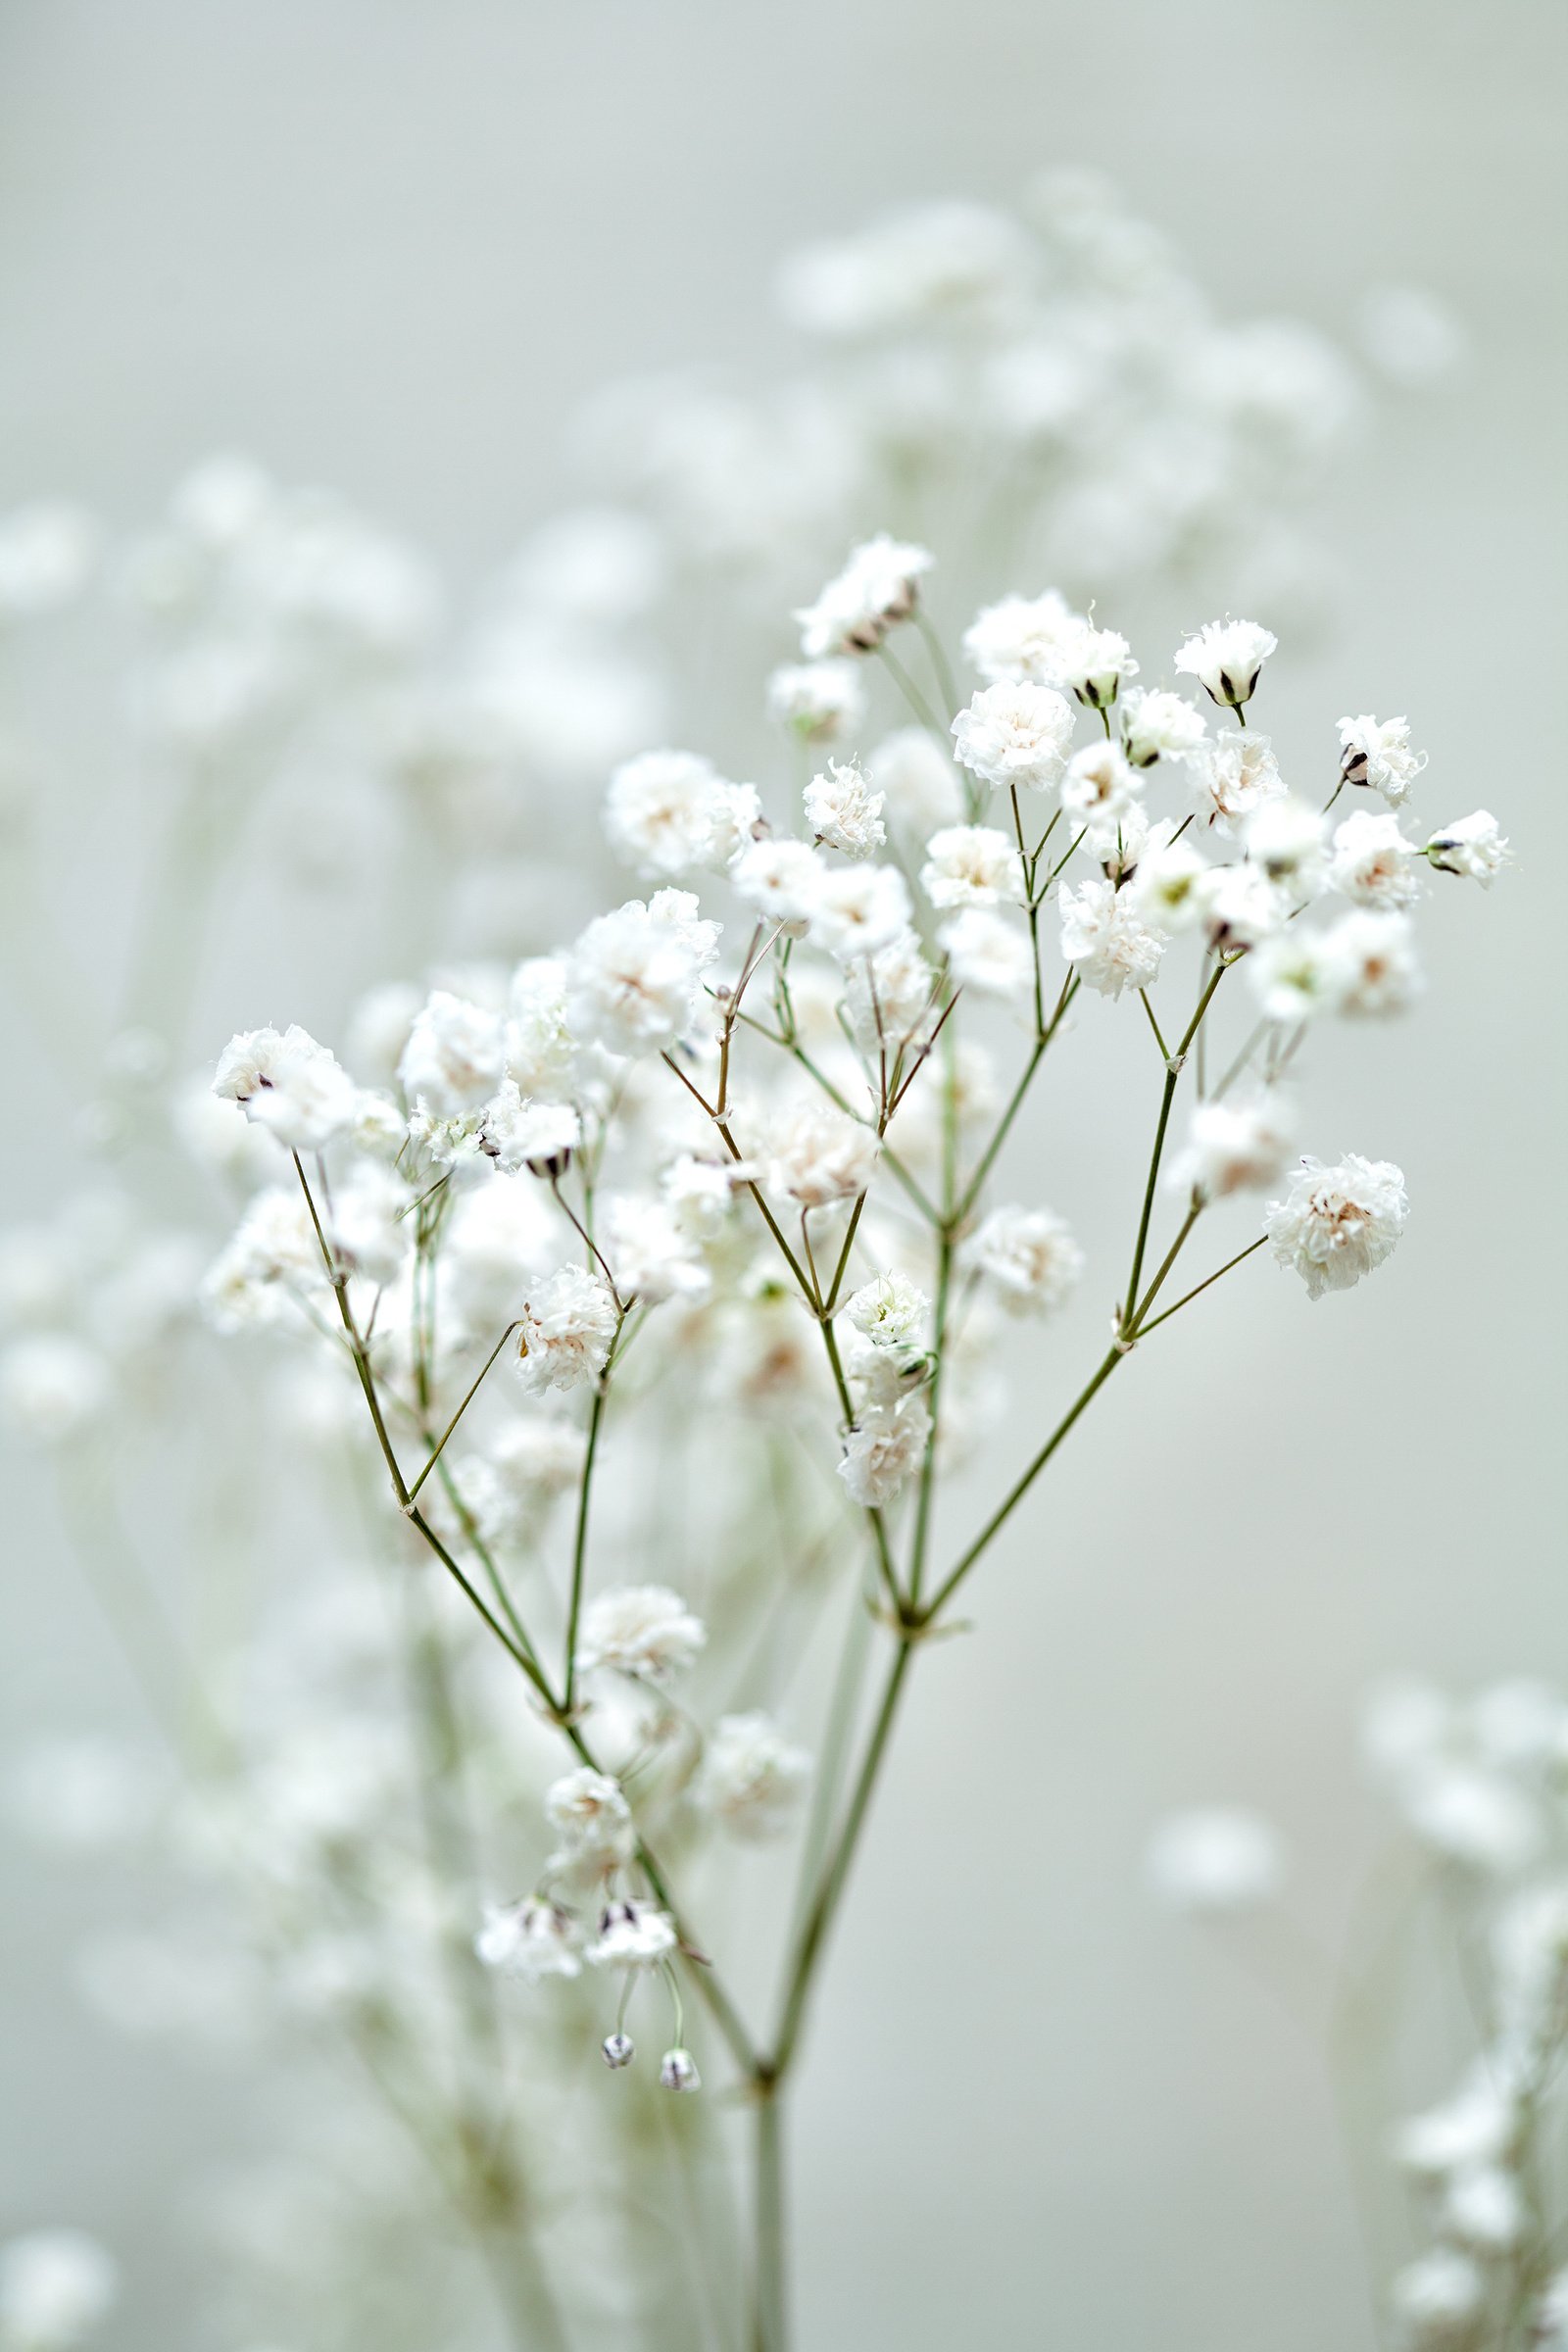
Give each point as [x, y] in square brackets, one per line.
[1338, 1223]
[1092, 663]
[1099, 786]
[971, 866]
[890, 996]
[891, 1313]
[1216, 1860]
[670, 814]
[1167, 885]
[632, 1935]
[1014, 734]
[1239, 906]
[1371, 861]
[1477, 2126]
[530, 1940]
[1438, 2301]
[1234, 1147]
[780, 877]
[287, 1083]
[519, 1133]
[988, 955]
[859, 910]
[634, 977]
[878, 588]
[842, 813]
[455, 1055]
[818, 1155]
[819, 701]
[677, 2070]
[1485, 2210]
[644, 1631]
[589, 1813]
[1233, 776]
[650, 1253]
[1027, 1256]
[1283, 838]
[884, 1449]
[568, 1327]
[1105, 936]
[524, 1468]
[917, 779]
[1472, 846]
[752, 1778]
[1296, 974]
[1162, 727]
[1377, 752]
[368, 1223]
[1371, 963]
[1225, 657]
[1020, 641]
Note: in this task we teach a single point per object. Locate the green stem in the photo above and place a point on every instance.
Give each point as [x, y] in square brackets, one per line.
[579, 1550]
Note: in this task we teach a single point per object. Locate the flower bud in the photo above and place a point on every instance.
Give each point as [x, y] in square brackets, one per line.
[677, 2070]
[619, 2050]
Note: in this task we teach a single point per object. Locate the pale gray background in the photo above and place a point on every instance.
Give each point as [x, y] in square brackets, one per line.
[387, 243]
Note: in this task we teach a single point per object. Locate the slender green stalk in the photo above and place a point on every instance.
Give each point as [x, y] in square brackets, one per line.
[1147, 1324]
[461, 1409]
[579, 1550]
[912, 695]
[770, 2332]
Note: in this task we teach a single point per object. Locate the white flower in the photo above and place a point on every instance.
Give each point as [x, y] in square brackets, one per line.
[1377, 752]
[1472, 846]
[841, 812]
[55, 2286]
[1168, 883]
[53, 1387]
[668, 813]
[369, 1224]
[1162, 727]
[818, 1155]
[1239, 906]
[1118, 839]
[917, 779]
[1476, 1817]
[523, 1470]
[1092, 663]
[644, 1631]
[1336, 1223]
[884, 1449]
[1215, 1859]
[1233, 777]
[1370, 962]
[1372, 863]
[652, 1256]
[1234, 1147]
[530, 1940]
[1283, 838]
[700, 1193]
[632, 1935]
[888, 996]
[287, 1083]
[1296, 974]
[780, 877]
[1104, 935]
[1022, 640]
[1438, 2301]
[455, 1055]
[1225, 657]
[752, 1778]
[539, 1046]
[1485, 2210]
[890, 1311]
[818, 699]
[568, 1327]
[634, 977]
[971, 866]
[989, 955]
[677, 2070]
[1014, 733]
[1099, 786]
[1477, 2126]
[273, 1253]
[859, 910]
[589, 1813]
[1027, 1256]
[877, 589]
[519, 1133]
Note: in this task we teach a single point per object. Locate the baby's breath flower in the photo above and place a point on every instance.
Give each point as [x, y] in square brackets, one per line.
[1234, 1147]
[1338, 1223]
[455, 1055]
[859, 910]
[651, 1253]
[634, 977]
[1438, 2301]
[1099, 787]
[971, 866]
[890, 1312]
[1158, 725]
[878, 587]
[818, 1155]
[1371, 861]
[888, 995]
[517, 1133]
[644, 1631]
[1284, 839]
[530, 1940]
[1092, 663]
[632, 1935]
[752, 1778]
[1370, 962]
[1014, 733]
[988, 955]
[842, 813]
[1022, 639]
[677, 2070]
[1225, 657]
[1377, 752]
[1241, 906]
[818, 701]
[568, 1327]
[884, 1449]
[1105, 936]
[782, 878]
[1166, 887]
[1027, 1258]
[917, 779]
[1472, 846]
[287, 1083]
[1295, 975]
[589, 1813]
[1233, 776]
[670, 813]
